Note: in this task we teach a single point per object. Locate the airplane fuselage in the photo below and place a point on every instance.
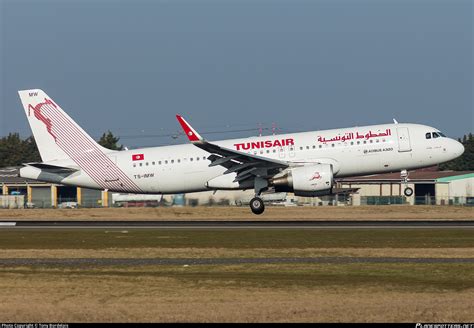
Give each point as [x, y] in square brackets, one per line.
[185, 168]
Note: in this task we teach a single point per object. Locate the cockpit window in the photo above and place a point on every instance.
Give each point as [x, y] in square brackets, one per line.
[428, 135]
[436, 135]
[442, 134]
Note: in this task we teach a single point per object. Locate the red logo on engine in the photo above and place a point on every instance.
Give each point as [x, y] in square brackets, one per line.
[316, 176]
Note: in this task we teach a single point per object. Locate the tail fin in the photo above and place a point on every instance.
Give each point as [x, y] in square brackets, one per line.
[57, 135]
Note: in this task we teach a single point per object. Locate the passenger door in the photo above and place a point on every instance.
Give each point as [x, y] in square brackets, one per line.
[403, 140]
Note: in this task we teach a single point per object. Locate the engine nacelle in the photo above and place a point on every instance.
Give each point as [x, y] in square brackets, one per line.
[311, 180]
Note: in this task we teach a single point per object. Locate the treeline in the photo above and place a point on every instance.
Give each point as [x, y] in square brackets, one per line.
[14, 151]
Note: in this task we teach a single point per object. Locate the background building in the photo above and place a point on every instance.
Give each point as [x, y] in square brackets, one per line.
[35, 194]
[430, 188]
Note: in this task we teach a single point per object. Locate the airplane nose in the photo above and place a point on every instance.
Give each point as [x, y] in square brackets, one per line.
[458, 148]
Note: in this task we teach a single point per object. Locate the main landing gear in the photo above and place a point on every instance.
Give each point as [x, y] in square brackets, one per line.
[256, 203]
[257, 206]
[404, 176]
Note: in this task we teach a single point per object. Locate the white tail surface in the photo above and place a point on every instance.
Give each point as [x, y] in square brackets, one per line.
[57, 135]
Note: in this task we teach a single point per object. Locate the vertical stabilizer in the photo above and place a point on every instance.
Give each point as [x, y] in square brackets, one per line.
[59, 138]
[57, 135]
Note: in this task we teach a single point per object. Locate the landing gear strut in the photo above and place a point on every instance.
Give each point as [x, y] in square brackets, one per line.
[404, 176]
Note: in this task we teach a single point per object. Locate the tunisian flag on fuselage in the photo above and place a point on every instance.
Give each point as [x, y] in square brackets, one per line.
[138, 157]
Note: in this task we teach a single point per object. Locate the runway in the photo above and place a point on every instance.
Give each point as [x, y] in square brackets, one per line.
[174, 224]
[92, 228]
[222, 261]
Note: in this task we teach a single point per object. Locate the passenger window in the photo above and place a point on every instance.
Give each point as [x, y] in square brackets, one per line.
[333, 145]
[428, 135]
[301, 148]
[153, 163]
[166, 162]
[141, 164]
[134, 165]
[146, 164]
[179, 161]
[197, 158]
[191, 159]
[159, 162]
[307, 147]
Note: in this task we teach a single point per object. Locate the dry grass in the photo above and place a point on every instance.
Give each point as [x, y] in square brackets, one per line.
[238, 253]
[393, 212]
[47, 296]
[296, 292]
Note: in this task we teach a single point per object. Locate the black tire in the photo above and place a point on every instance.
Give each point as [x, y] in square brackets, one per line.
[408, 191]
[257, 206]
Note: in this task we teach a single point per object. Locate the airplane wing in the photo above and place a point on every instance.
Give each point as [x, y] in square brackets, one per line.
[247, 166]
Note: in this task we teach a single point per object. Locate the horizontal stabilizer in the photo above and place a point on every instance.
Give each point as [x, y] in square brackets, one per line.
[52, 168]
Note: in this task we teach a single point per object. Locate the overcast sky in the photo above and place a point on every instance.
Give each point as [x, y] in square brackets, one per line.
[130, 66]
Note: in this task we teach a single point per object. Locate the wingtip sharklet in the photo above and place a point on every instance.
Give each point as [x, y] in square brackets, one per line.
[192, 135]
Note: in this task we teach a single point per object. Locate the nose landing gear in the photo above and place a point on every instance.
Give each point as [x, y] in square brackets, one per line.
[408, 191]
[404, 176]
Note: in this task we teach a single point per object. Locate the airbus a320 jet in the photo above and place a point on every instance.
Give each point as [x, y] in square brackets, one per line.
[303, 163]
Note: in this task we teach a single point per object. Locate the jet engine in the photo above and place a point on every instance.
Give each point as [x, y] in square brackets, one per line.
[310, 180]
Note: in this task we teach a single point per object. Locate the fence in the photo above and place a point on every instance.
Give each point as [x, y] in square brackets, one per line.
[417, 200]
[20, 201]
[383, 200]
[432, 200]
[12, 201]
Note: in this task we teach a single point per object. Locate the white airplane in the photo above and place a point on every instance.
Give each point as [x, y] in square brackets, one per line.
[303, 163]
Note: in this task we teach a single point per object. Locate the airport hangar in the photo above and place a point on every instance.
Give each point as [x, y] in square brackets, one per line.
[431, 187]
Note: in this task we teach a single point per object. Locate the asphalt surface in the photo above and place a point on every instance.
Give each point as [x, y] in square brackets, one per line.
[174, 224]
[220, 261]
